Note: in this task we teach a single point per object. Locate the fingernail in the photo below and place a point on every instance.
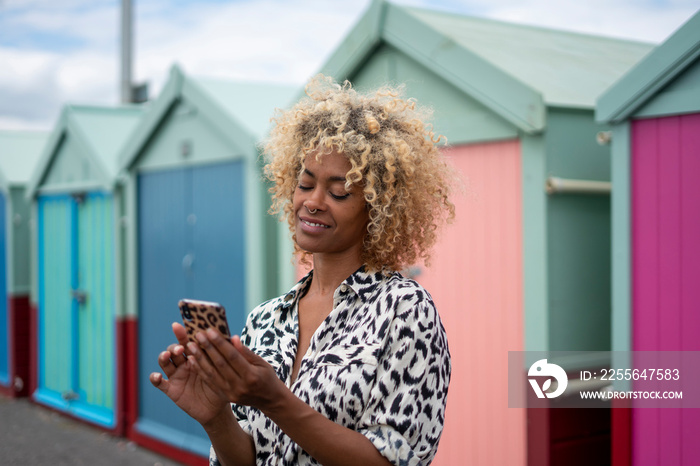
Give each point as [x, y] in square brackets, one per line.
[211, 333]
[201, 338]
[193, 348]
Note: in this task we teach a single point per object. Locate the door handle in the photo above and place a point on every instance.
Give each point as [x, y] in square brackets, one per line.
[79, 295]
[188, 262]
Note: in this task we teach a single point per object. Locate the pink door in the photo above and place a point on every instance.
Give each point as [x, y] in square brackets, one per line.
[475, 278]
[665, 273]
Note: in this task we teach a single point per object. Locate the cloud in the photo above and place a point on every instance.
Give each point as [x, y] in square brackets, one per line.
[68, 51]
[65, 25]
[29, 90]
[647, 21]
[263, 40]
[267, 40]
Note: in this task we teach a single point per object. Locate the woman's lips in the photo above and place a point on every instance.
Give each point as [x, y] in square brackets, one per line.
[312, 225]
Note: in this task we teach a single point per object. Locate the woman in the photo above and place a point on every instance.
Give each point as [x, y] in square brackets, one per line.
[352, 365]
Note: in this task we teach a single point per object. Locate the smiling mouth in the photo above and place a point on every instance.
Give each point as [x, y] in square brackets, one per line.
[311, 224]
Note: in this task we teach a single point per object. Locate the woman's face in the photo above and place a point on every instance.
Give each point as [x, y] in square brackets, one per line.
[329, 219]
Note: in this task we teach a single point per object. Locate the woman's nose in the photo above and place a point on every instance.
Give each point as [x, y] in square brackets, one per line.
[315, 200]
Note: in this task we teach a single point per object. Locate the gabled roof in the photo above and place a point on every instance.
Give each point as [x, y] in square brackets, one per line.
[651, 74]
[241, 111]
[514, 70]
[19, 153]
[99, 131]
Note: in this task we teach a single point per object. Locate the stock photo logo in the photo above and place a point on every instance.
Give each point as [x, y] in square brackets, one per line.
[542, 368]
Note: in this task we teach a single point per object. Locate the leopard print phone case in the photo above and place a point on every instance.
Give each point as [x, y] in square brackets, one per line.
[198, 316]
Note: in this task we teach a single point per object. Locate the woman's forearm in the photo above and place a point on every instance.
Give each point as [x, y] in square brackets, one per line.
[326, 441]
[233, 446]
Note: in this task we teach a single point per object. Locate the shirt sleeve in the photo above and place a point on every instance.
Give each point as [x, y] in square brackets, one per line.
[406, 410]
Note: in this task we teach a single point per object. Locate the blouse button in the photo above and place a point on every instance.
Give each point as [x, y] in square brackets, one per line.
[343, 288]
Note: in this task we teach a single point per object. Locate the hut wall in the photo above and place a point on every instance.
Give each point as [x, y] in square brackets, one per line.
[186, 136]
[16, 231]
[18, 256]
[458, 117]
[70, 166]
[578, 236]
[4, 303]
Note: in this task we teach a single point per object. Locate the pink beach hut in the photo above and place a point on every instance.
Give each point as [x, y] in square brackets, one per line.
[654, 111]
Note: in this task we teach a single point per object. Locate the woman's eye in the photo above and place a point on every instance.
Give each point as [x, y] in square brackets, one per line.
[340, 197]
[304, 188]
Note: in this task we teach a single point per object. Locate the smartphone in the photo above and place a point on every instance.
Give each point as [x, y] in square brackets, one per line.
[198, 316]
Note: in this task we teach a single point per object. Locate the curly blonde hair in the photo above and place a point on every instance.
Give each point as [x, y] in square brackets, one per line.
[393, 157]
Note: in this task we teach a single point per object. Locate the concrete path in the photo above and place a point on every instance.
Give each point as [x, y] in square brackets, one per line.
[33, 435]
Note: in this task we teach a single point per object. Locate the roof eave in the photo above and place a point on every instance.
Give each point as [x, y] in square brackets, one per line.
[152, 119]
[364, 37]
[229, 127]
[516, 102]
[105, 178]
[505, 95]
[42, 165]
[651, 74]
[66, 123]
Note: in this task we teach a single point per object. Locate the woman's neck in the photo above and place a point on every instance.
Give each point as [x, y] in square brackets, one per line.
[331, 270]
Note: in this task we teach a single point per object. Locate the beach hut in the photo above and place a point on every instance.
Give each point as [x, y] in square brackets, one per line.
[19, 153]
[525, 266]
[76, 244]
[198, 228]
[654, 112]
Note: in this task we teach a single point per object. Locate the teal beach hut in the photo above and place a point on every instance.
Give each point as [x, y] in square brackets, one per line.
[76, 243]
[19, 153]
[197, 228]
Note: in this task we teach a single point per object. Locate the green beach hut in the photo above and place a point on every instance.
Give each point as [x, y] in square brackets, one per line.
[76, 249]
[197, 228]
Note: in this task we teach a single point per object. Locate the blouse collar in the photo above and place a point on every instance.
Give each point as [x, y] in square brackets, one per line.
[357, 281]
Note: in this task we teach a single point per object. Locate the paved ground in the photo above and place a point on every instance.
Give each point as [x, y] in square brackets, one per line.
[33, 435]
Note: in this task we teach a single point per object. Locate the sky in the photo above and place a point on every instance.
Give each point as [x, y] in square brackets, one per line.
[54, 52]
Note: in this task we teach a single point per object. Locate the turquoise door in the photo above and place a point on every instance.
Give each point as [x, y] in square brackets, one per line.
[77, 306]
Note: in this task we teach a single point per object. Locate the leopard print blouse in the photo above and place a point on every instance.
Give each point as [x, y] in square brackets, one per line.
[379, 364]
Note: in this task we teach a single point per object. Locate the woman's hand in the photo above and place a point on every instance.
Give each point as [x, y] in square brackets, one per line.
[185, 385]
[235, 371]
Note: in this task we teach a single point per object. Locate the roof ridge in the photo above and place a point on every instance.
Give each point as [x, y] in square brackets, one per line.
[24, 132]
[103, 108]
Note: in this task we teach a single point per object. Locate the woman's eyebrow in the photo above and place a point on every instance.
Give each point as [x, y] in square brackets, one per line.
[332, 178]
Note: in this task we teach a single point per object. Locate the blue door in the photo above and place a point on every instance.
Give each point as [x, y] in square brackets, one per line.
[77, 356]
[191, 245]
[4, 323]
